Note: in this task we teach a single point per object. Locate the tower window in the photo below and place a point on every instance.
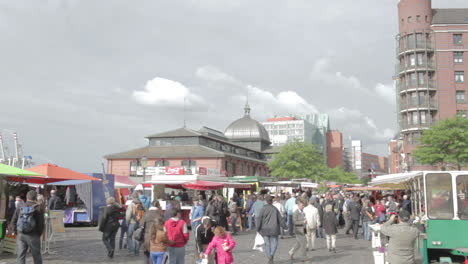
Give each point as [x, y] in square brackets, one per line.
[418, 19]
[427, 19]
[459, 76]
[458, 56]
[409, 19]
[457, 39]
[461, 113]
[460, 96]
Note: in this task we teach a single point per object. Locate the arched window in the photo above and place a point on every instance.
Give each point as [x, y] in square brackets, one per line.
[161, 163]
[189, 163]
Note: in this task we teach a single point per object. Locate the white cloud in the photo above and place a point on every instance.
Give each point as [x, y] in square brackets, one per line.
[164, 92]
[387, 92]
[213, 74]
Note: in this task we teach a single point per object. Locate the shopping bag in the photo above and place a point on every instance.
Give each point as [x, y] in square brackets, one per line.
[379, 258]
[376, 242]
[259, 242]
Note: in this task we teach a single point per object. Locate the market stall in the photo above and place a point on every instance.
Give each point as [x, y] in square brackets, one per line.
[123, 188]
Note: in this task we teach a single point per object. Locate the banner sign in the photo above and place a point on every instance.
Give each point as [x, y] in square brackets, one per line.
[175, 171]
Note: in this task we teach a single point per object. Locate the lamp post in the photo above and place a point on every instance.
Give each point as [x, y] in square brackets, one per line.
[144, 164]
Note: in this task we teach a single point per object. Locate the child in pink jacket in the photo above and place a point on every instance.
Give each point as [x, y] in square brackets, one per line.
[224, 245]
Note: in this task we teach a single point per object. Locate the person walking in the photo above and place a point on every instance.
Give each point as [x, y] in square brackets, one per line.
[233, 214]
[28, 223]
[145, 201]
[224, 245]
[402, 239]
[406, 204]
[109, 225]
[330, 226]
[222, 208]
[197, 213]
[313, 222]
[134, 215]
[289, 206]
[391, 206]
[153, 216]
[257, 207]
[277, 203]
[249, 210]
[203, 236]
[299, 223]
[354, 209]
[269, 226]
[346, 215]
[320, 231]
[158, 241]
[379, 209]
[55, 203]
[177, 232]
[368, 216]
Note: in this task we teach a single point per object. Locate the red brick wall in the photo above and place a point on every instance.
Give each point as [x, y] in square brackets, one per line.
[334, 149]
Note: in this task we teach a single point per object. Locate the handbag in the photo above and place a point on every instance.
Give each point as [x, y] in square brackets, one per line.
[139, 233]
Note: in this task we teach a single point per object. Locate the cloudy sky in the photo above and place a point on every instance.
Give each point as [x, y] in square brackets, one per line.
[81, 79]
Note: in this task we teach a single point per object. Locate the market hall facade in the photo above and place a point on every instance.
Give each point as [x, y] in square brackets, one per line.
[239, 151]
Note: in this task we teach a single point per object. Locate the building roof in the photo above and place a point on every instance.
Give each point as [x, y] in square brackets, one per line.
[246, 129]
[276, 119]
[272, 150]
[450, 16]
[166, 152]
[180, 132]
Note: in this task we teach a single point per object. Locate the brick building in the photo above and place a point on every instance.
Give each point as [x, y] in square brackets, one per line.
[432, 47]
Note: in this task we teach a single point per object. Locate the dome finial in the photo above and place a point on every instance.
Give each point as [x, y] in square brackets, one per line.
[247, 108]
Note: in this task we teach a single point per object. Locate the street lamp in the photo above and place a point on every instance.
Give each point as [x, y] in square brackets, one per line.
[144, 164]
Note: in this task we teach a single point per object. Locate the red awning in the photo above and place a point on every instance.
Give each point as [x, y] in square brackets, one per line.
[54, 173]
[123, 182]
[203, 185]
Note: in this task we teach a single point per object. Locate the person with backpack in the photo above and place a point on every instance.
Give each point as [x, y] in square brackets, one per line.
[178, 234]
[134, 215]
[109, 225]
[28, 223]
[152, 217]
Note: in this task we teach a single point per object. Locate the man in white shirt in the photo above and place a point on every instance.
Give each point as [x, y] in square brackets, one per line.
[313, 222]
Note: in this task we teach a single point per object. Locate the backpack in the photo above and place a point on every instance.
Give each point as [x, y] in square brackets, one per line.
[26, 221]
[138, 212]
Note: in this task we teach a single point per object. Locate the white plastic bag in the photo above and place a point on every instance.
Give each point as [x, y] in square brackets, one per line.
[376, 242]
[379, 258]
[259, 242]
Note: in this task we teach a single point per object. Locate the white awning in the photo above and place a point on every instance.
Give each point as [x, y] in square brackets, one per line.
[394, 178]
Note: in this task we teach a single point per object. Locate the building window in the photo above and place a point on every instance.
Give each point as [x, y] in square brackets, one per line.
[414, 99]
[416, 137]
[161, 163]
[188, 163]
[410, 19]
[462, 113]
[423, 117]
[408, 139]
[413, 78]
[420, 59]
[459, 76]
[421, 78]
[418, 18]
[458, 56]
[422, 98]
[415, 118]
[408, 119]
[412, 60]
[457, 39]
[427, 19]
[460, 96]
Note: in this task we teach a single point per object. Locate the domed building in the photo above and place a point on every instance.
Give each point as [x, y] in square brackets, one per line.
[248, 132]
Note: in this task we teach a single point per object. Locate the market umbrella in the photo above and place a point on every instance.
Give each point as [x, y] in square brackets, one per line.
[55, 173]
[203, 185]
[6, 170]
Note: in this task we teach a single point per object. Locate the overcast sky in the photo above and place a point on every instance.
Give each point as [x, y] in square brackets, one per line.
[81, 79]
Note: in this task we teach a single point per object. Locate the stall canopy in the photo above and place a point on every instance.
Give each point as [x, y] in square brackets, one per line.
[394, 180]
[123, 182]
[203, 185]
[6, 170]
[54, 173]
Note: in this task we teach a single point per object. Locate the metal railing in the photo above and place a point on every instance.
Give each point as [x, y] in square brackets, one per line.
[431, 84]
[420, 105]
[418, 45]
[430, 65]
[417, 126]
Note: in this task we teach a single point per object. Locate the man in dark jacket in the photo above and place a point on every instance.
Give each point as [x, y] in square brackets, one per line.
[203, 236]
[55, 203]
[28, 238]
[109, 225]
[269, 226]
[354, 209]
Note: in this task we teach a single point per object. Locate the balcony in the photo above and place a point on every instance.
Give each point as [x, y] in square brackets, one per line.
[414, 106]
[419, 45]
[408, 127]
[411, 87]
[426, 66]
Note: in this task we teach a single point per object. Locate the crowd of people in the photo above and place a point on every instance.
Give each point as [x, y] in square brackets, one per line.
[156, 232]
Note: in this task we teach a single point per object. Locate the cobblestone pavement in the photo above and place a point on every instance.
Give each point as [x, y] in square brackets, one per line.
[83, 245]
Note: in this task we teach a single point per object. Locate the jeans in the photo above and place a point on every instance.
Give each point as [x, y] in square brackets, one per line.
[290, 225]
[310, 235]
[234, 223]
[366, 228]
[33, 242]
[271, 244]
[331, 241]
[123, 231]
[250, 221]
[176, 255]
[355, 227]
[157, 257]
[133, 246]
[320, 232]
[109, 240]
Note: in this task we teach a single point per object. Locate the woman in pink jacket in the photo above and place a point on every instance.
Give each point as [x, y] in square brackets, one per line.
[224, 245]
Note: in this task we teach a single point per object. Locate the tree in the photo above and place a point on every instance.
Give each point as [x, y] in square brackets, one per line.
[445, 144]
[339, 175]
[298, 160]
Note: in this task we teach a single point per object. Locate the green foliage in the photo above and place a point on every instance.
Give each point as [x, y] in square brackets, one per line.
[339, 175]
[298, 160]
[445, 144]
